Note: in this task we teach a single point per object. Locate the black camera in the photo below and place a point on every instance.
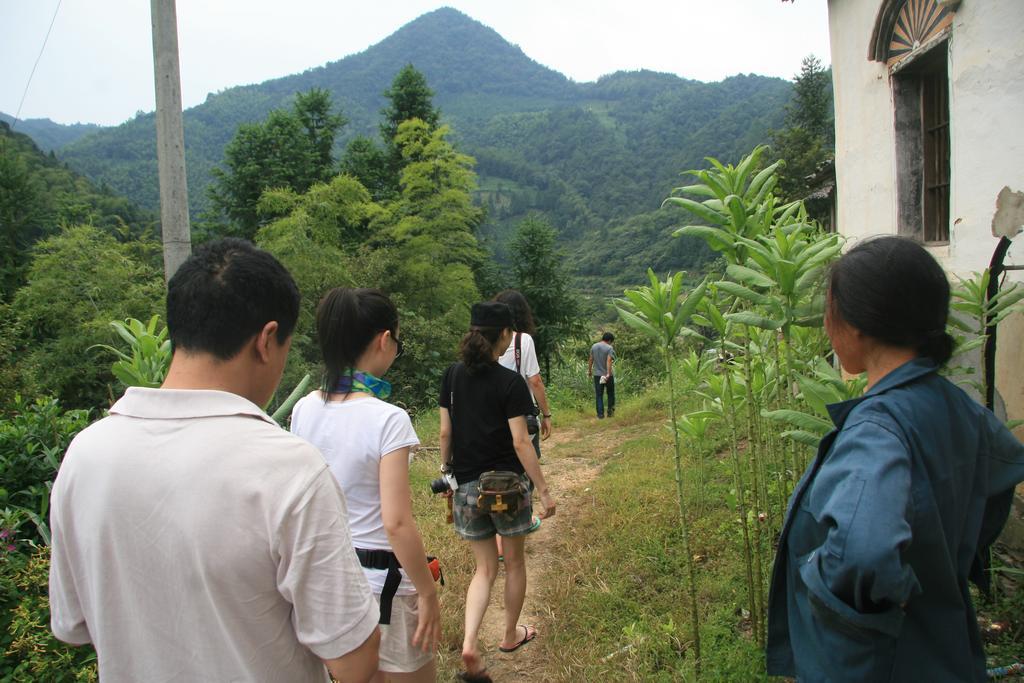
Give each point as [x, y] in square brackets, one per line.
[443, 484]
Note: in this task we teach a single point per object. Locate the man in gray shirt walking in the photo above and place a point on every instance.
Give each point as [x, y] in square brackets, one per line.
[602, 356]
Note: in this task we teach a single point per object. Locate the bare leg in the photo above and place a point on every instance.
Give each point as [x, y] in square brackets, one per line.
[515, 588]
[485, 553]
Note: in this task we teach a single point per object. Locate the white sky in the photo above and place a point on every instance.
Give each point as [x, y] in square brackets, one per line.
[97, 66]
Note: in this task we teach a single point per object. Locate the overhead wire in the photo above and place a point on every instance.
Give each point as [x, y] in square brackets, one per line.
[17, 115]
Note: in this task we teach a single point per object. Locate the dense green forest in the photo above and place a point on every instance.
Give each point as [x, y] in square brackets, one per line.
[347, 190]
[48, 135]
[77, 258]
[592, 157]
[39, 195]
[386, 184]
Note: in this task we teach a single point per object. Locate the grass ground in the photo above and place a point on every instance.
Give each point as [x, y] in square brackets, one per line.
[608, 588]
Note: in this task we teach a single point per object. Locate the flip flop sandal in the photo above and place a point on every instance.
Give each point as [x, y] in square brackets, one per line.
[534, 526]
[479, 677]
[530, 632]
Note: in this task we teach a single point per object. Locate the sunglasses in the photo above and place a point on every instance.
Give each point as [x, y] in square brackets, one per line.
[401, 348]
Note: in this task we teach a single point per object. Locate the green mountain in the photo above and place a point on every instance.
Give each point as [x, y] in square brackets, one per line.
[48, 135]
[588, 155]
[39, 195]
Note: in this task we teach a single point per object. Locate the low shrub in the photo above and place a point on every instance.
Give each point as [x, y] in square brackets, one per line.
[33, 438]
[31, 653]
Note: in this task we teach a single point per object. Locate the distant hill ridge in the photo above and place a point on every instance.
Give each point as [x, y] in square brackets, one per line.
[583, 153]
[50, 135]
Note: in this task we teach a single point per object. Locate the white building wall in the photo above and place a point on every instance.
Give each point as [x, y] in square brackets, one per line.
[986, 71]
[865, 137]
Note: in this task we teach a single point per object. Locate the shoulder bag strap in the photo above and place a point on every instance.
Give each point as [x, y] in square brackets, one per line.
[519, 352]
[452, 372]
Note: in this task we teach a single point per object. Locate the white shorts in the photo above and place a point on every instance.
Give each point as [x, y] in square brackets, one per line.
[397, 653]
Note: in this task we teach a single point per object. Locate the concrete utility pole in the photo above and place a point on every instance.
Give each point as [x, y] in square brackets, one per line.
[170, 137]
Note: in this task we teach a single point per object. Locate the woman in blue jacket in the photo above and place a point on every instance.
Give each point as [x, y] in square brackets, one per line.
[903, 498]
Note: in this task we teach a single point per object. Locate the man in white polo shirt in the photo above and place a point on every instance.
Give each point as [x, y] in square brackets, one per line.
[193, 539]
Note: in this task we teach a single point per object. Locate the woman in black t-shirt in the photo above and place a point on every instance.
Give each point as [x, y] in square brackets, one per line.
[483, 428]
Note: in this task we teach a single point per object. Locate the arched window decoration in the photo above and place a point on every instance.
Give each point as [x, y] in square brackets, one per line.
[909, 38]
[905, 25]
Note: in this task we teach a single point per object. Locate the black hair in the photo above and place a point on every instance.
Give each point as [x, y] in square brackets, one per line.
[347, 320]
[521, 311]
[894, 291]
[224, 294]
[476, 350]
[608, 337]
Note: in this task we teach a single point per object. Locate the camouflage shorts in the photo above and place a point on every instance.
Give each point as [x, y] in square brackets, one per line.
[473, 524]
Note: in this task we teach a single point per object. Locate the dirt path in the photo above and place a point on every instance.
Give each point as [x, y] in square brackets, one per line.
[572, 459]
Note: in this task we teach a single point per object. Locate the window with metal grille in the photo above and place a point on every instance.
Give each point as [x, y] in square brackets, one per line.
[921, 100]
[935, 134]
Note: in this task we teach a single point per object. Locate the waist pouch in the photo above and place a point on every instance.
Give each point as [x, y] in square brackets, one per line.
[501, 492]
[385, 559]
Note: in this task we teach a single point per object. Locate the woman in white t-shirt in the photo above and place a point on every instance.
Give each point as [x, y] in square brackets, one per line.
[526, 364]
[367, 444]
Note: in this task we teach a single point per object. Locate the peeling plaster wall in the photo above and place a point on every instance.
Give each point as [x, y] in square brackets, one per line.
[986, 72]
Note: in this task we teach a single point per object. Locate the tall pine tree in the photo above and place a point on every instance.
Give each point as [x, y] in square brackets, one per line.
[809, 136]
[314, 110]
[540, 274]
[410, 98]
[289, 149]
[365, 161]
[433, 239]
[379, 168]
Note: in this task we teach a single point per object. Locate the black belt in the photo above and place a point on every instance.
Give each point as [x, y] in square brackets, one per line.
[383, 559]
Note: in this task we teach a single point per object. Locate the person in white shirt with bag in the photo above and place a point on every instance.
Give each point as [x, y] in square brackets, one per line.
[521, 356]
[367, 442]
